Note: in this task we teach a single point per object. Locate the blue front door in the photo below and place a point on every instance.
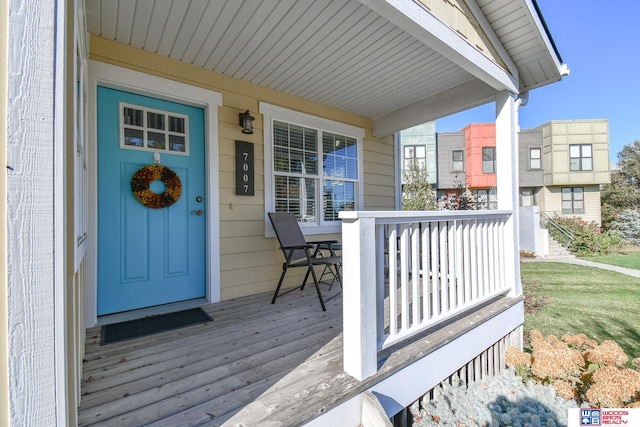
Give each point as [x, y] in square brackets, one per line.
[151, 250]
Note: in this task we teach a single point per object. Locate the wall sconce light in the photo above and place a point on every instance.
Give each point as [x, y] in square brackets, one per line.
[246, 122]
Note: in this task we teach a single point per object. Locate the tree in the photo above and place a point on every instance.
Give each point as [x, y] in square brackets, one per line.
[627, 224]
[417, 194]
[624, 190]
[463, 198]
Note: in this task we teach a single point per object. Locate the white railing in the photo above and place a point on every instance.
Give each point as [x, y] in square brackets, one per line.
[405, 272]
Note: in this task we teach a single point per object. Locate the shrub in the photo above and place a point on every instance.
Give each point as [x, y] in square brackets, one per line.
[579, 368]
[587, 237]
[502, 400]
[627, 224]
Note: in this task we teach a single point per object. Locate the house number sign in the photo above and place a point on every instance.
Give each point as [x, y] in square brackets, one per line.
[245, 180]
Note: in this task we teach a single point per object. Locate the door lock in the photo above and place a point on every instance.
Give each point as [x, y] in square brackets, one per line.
[197, 212]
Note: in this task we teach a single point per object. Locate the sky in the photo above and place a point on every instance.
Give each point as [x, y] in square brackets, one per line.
[600, 43]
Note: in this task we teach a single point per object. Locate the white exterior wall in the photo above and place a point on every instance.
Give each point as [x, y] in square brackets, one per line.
[34, 244]
[533, 238]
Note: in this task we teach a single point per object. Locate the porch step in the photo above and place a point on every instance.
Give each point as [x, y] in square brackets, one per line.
[556, 250]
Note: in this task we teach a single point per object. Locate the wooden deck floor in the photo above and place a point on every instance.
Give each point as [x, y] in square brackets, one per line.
[256, 364]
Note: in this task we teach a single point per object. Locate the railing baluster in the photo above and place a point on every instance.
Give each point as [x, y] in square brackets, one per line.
[435, 268]
[426, 273]
[460, 284]
[381, 277]
[442, 271]
[404, 276]
[415, 273]
[491, 281]
[451, 229]
[466, 261]
[393, 279]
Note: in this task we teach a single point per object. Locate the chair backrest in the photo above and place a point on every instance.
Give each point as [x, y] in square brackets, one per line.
[288, 232]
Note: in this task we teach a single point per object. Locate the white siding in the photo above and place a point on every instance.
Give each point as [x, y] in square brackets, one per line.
[32, 134]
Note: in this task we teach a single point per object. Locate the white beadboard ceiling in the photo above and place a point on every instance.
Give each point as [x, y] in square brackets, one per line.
[341, 53]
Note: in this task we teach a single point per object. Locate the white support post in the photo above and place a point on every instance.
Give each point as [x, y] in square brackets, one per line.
[508, 183]
[359, 296]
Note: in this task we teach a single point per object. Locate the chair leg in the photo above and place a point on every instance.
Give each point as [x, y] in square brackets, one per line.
[304, 282]
[275, 295]
[315, 281]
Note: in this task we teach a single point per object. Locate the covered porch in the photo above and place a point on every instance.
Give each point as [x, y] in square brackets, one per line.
[445, 304]
[283, 367]
[425, 295]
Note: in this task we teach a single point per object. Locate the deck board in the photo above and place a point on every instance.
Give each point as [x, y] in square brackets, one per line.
[256, 364]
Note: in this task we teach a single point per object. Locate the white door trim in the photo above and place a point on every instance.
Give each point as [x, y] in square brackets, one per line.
[102, 74]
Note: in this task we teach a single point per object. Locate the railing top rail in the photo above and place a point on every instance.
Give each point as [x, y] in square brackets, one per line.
[391, 217]
[558, 226]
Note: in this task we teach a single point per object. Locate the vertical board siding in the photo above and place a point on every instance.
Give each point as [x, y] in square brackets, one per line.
[32, 146]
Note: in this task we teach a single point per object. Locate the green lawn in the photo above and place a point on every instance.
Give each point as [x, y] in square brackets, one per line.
[574, 299]
[630, 259]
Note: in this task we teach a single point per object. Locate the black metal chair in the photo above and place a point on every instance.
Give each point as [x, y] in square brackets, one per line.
[300, 253]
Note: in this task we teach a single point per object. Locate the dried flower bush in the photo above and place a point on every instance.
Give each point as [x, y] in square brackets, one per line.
[579, 368]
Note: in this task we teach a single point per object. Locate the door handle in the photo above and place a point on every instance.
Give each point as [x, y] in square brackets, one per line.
[197, 212]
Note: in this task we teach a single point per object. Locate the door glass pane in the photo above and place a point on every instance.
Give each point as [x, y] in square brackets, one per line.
[176, 143]
[176, 124]
[155, 121]
[156, 140]
[132, 117]
[133, 137]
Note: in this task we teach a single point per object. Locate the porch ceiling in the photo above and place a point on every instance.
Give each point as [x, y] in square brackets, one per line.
[372, 58]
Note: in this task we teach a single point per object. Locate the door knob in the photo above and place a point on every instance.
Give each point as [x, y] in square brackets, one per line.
[197, 212]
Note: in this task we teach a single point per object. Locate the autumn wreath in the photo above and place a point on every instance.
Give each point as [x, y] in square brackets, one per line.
[144, 177]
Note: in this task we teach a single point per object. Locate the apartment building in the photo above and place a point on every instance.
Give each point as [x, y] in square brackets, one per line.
[562, 164]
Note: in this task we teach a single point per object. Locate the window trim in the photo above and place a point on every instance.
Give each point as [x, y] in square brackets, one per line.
[538, 158]
[492, 202]
[415, 157]
[272, 112]
[453, 162]
[573, 200]
[581, 158]
[493, 161]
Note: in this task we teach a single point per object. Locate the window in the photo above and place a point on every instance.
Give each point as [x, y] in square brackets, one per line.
[488, 159]
[487, 198]
[147, 129]
[535, 158]
[313, 168]
[580, 157]
[417, 153]
[528, 197]
[457, 161]
[572, 200]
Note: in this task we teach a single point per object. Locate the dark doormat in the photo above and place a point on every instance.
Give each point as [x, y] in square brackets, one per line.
[152, 325]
